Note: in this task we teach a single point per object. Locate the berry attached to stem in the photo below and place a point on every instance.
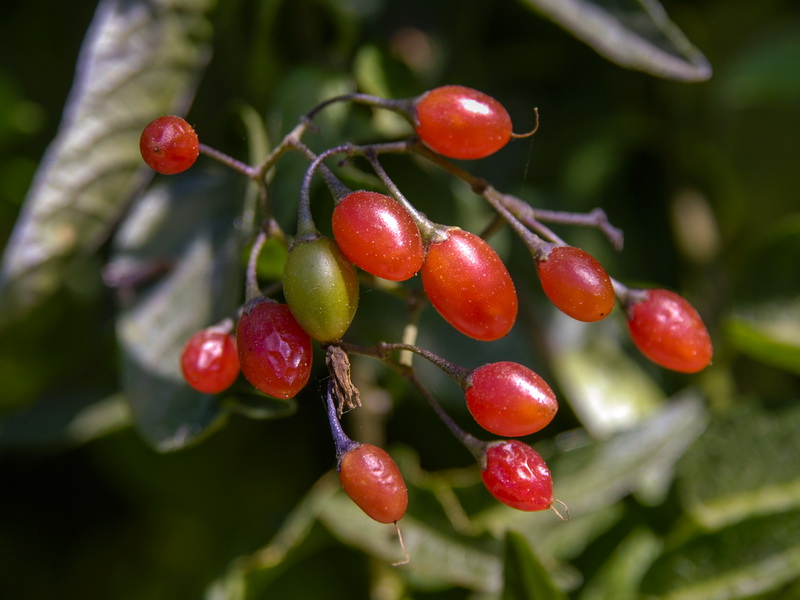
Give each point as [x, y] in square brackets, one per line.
[462, 123]
[169, 145]
[517, 475]
[669, 331]
[209, 361]
[467, 282]
[509, 399]
[576, 283]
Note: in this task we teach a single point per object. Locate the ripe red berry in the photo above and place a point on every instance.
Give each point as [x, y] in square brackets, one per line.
[668, 331]
[463, 123]
[274, 351]
[372, 480]
[516, 475]
[576, 283]
[321, 288]
[378, 235]
[470, 286]
[509, 399]
[209, 361]
[169, 145]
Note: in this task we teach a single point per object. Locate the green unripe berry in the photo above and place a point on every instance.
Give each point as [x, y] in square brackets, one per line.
[321, 288]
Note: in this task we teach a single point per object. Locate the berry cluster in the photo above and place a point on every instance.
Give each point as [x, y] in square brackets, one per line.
[382, 234]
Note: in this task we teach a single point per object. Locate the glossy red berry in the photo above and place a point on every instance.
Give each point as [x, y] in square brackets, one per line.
[467, 282]
[378, 235]
[669, 331]
[460, 122]
[509, 399]
[274, 351]
[516, 475]
[576, 283]
[169, 145]
[372, 480]
[209, 361]
[321, 288]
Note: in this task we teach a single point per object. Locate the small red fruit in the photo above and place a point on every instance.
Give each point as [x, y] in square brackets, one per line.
[576, 283]
[274, 351]
[516, 475]
[467, 282]
[372, 480]
[669, 331]
[460, 122]
[509, 399]
[169, 145]
[209, 361]
[378, 235]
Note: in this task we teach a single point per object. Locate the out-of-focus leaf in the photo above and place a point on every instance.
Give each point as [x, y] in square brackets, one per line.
[436, 558]
[258, 406]
[65, 420]
[743, 467]
[607, 389]
[525, 578]
[750, 558]
[186, 226]
[769, 333]
[140, 59]
[620, 576]
[636, 34]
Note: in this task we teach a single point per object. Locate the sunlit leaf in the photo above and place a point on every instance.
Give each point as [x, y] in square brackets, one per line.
[636, 34]
[140, 60]
[742, 467]
[525, 578]
[183, 231]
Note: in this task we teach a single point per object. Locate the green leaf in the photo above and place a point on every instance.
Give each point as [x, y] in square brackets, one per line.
[525, 578]
[752, 557]
[620, 576]
[742, 467]
[184, 228]
[141, 59]
[769, 333]
[636, 34]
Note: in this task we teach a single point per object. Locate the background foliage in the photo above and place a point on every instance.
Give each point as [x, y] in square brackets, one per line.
[120, 484]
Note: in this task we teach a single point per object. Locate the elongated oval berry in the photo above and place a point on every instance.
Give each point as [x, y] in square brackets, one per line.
[378, 235]
[576, 283]
[372, 480]
[516, 475]
[669, 331]
[460, 122]
[169, 145]
[209, 361]
[321, 288]
[509, 399]
[274, 351]
[467, 282]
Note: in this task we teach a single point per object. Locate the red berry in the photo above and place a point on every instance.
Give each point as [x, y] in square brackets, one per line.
[372, 480]
[470, 286]
[668, 331]
[576, 283]
[517, 476]
[274, 351]
[169, 145]
[209, 361]
[509, 399]
[378, 235]
[460, 122]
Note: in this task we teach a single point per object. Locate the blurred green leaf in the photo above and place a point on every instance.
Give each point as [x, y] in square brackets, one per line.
[140, 60]
[636, 34]
[525, 578]
[769, 333]
[742, 467]
[752, 557]
[620, 576]
[183, 228]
